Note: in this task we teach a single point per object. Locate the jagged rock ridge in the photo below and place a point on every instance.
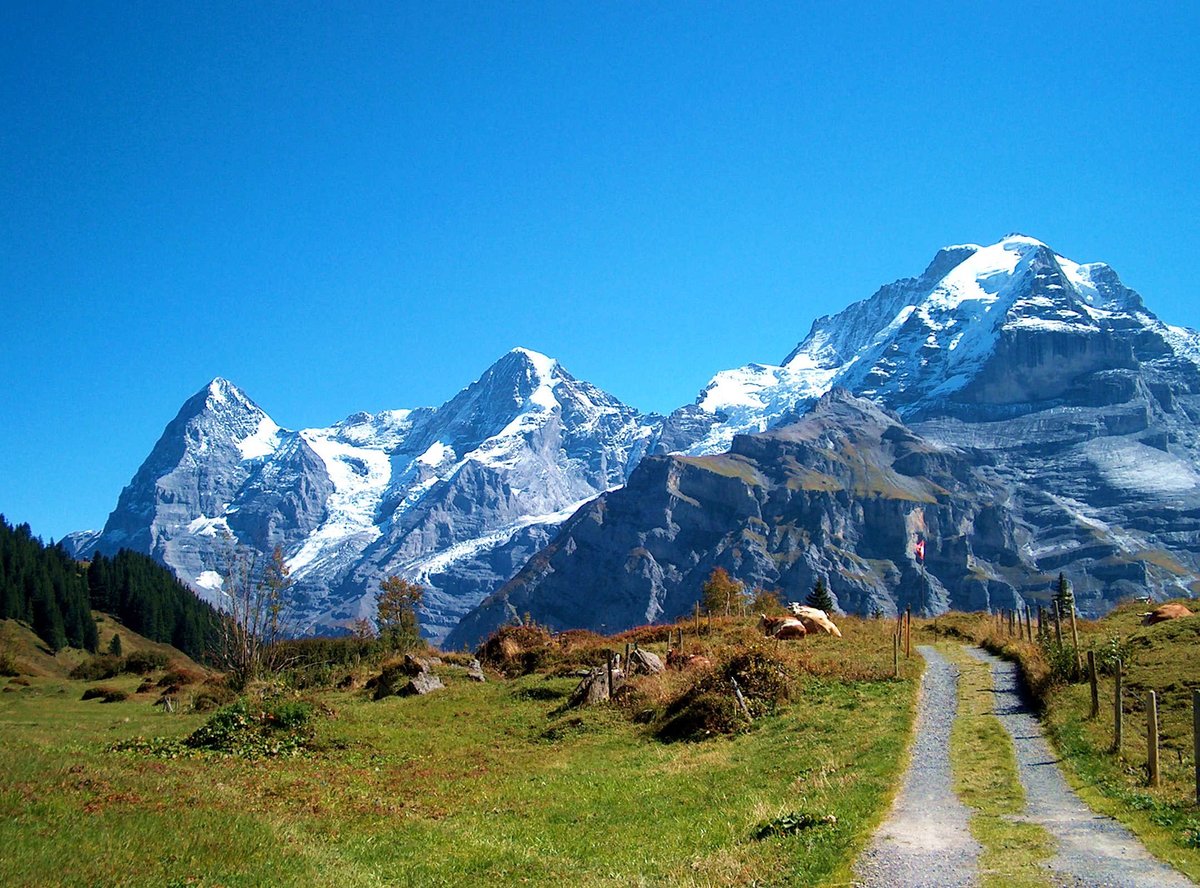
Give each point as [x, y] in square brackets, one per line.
[456, 497]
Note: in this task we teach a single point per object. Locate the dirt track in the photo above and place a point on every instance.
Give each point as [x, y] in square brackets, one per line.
[926, 840]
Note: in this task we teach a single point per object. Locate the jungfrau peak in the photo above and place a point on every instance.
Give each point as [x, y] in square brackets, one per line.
[1049, 424]
[920, 344]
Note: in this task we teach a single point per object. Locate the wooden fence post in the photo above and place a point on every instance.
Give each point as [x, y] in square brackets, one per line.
[697, 619]
[1075, 640]
[908, 632]
[1041, 625]
[1117, 713]
[1196, 739]
[896, 653]
[611, 688]
[1057, 623]
[1152, 738]
[1095, 686]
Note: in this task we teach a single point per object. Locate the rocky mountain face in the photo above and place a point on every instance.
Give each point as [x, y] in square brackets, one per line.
[1075, 408]
[455, 497]
[1042, 419]
[844, 493]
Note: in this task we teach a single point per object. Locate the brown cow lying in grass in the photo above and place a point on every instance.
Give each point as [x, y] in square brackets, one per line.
[680, 660]
[814, 619]
[782, 627]
[1164, 613]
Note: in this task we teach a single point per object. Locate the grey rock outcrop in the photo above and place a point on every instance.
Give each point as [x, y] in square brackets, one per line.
[842, 494]
[645, 662]
[420, 685]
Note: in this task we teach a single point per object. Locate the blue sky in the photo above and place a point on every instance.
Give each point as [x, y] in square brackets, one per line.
[361, 206]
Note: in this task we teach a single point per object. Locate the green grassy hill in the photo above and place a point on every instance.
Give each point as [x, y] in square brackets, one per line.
[497, 783]
[32, 657]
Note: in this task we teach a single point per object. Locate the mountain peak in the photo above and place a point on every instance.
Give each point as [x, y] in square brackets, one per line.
[1016, 238]
[543, 365]
[221, 394]
[223, 406]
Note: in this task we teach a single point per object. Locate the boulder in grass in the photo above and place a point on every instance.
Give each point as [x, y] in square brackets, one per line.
[420, 685]
[594, 687]
[475, 671]
[644, 663]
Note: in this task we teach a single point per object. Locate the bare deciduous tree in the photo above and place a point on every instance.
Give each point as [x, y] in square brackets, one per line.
[254, 619]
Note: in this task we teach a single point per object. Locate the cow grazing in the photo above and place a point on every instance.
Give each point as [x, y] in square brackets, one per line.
[1164, 613]
[814, 619]
[782, 627]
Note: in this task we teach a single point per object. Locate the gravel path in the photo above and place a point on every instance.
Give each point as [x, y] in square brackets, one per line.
[926, 840]
[1093, 849]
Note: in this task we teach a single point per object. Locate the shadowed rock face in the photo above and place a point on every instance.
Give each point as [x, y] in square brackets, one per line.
[841, 494]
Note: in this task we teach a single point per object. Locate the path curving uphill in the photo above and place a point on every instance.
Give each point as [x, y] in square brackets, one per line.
[1093, 849]
[926, 839]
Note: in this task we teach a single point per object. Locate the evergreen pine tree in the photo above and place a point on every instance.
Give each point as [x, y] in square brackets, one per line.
[820, 597]
[1064, 595]
[114, 646]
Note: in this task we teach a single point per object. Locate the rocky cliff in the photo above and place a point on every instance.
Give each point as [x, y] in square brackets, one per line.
[842, 494]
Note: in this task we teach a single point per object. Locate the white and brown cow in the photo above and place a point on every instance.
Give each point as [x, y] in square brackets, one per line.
[782, 627]
[814, 619]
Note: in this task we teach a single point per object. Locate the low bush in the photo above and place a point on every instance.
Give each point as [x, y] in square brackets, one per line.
[701, 713]
[179, 677]
[709, 706]
[281, 728]
[8, 666]
[212, 695]
[519, 650]
[98, 668]
[105, 695]
[145, 662]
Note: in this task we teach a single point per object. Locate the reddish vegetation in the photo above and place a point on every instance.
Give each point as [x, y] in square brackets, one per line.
[680, 660]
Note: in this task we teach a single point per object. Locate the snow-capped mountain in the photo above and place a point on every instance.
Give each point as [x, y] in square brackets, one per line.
[1046, 385]
[1069, 390]
[920, 344]
[455, 497]
[1075, 406]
